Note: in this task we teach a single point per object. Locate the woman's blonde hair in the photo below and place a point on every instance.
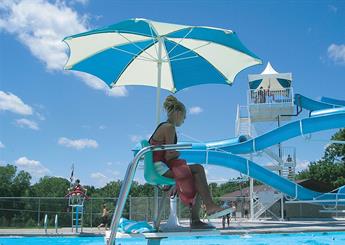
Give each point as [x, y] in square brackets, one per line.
[171, 104]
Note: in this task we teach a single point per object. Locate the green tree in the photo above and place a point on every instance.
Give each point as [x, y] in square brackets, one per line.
[21, 184]
[331, 167]
[7, 174]
[51, 187]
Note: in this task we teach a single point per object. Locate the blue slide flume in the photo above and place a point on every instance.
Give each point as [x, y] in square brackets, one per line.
[222, 152]
[333, 101]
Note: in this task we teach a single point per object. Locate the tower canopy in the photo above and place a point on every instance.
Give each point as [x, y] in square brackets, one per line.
[270, 79]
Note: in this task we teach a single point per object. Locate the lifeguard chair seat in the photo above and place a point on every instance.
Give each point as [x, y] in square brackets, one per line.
[150, 174]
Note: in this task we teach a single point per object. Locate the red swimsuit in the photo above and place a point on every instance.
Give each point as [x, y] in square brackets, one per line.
[181, 172]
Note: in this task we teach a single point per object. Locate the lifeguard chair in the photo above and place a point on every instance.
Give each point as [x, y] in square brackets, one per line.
[152, 177]
[76, 200]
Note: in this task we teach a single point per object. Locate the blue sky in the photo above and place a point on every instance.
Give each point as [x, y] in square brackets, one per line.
[51, 118]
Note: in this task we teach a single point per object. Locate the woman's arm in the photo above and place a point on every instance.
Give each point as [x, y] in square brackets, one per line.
[170, 139]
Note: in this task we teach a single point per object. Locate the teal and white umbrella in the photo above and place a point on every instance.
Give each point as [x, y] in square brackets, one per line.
[162, 55]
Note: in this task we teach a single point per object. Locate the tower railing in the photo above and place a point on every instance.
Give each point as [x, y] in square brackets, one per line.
[267, 96]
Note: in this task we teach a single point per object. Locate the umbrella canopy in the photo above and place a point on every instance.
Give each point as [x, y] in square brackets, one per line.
[127, 53]
[270, 79]
[168, 56]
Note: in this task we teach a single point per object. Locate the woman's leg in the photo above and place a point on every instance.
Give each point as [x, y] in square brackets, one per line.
[196, 209]
[201, 184]
[202, 188]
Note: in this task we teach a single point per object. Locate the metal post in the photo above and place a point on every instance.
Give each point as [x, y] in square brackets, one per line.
[76, 218]
[39, 212]
[251, 191]
[158, 113]
[46, 223]
[281, 173]
[91, 213]
[56, 223]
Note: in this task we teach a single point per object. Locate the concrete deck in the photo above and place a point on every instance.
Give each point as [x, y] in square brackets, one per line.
[236, 227]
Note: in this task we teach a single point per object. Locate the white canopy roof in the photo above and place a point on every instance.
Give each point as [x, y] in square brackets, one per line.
[269, 79]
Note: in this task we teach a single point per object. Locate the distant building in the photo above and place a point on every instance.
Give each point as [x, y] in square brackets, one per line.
[292, 210]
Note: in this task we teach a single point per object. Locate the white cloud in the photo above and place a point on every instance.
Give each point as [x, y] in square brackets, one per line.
[40, 116]
[102, 127]
[100, 178]
[332, 8]
[78, 144]
[301, 165]
[23, 122]
[195, 110]
[217, 174]
[2, 145]
[337, 53]
[11, 102]
[41, 27]
[34, 167]
[83, 2]
[115, 173]
[98, 84]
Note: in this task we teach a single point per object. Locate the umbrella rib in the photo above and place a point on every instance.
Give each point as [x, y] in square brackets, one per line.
[136, 55]
[178, 42]
[185, 58]
[143, 50]
[190, 50]
[153, 37]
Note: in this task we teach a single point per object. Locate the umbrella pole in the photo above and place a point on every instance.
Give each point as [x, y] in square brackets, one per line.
[158, 113]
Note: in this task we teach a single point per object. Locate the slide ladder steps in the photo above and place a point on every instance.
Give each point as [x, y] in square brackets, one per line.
[262, 203]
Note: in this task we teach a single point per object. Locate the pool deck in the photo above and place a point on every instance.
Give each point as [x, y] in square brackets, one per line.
[236, 227]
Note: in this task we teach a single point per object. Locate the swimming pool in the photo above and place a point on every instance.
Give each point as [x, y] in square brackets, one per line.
[310, 238]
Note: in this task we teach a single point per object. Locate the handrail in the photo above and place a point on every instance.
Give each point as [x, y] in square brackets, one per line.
[126, 185]
[45, 223]
[56, 223]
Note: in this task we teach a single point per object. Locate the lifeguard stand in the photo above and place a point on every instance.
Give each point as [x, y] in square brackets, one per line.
[270, 98]
[76, 202]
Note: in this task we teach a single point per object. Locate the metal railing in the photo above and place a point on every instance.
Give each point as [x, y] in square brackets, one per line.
[45, 223]
[28, 212]
[126, 185]
[56, 223]
[265, 96]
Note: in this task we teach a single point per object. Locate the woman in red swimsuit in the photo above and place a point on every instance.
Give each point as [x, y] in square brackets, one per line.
[191, 182]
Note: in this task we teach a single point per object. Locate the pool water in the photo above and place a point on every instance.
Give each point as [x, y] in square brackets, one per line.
[310, 238]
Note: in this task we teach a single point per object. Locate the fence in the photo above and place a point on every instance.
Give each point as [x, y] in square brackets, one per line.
[30, 211]
[260, 96]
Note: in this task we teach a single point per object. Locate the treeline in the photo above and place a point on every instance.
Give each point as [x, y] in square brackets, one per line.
[25, 205]
[17, 184]
[330, 169]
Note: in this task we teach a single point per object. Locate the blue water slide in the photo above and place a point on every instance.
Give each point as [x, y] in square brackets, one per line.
[333, 101]
[329, 119]
[200, 155]
[222, 153]
[312, 105]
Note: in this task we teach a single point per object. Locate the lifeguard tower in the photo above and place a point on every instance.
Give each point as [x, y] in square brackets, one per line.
[269, 99]
[76, 203]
